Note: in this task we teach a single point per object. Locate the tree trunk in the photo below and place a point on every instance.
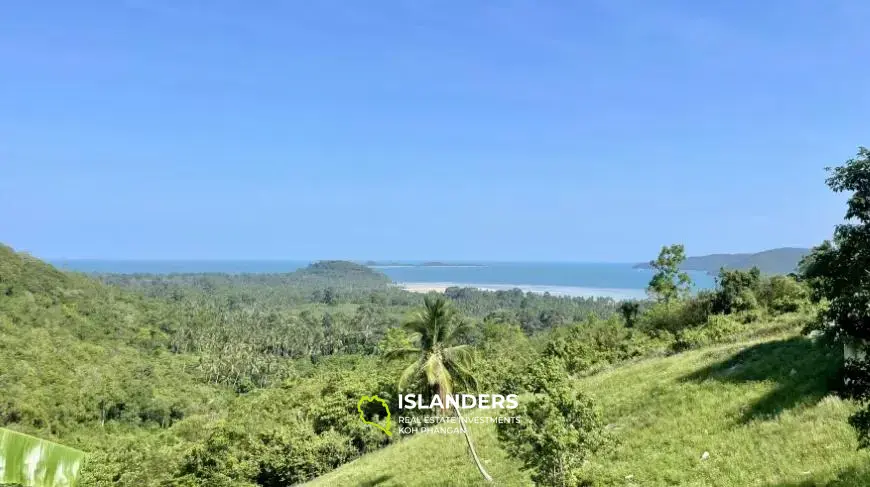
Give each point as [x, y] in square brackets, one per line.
[439, 391]
[471, 446]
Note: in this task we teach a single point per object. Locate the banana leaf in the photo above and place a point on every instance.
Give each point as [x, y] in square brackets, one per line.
[30, 461]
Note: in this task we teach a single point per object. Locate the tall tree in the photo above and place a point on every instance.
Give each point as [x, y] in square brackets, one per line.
[629, 310]
[669, 282]
[438, 358]
[838, 271]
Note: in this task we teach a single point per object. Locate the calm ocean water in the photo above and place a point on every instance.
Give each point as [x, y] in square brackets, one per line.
[573, 279]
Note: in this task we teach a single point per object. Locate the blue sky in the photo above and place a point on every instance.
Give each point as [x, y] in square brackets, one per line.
[509, 130]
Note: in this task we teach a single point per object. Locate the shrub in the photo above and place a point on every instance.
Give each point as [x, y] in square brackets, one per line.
[675, 316]
[783, 294]
[718, 328]
[504, 354]
[750, 316]
[737, 290]
[543, 374]
[558, 431]
[582, 346]
[629, 310]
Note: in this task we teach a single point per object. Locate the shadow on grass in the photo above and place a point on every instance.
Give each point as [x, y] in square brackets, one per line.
[804, 372]
[379, 480]
[851, 477]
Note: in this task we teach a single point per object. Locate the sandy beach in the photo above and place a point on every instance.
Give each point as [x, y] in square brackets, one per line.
[424, 287]
[573, 291]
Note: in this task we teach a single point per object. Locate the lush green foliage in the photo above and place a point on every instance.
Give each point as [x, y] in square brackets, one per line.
[533, 312]
[738, 291]
[329, 282]
[221, 379]
[201, 380]
[669, 282]
[27, 460]
[744, 296]
[629, 310]
[438, 359]
[560, 428]
[585, 347]
[838, 273]
[761, 409]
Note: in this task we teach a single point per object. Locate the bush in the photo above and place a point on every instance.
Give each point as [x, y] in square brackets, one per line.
[542, 374]
[783, 294]
[750, 316]
[505, 353]
[718, 328]
[583, 346]
[558, 431]
[675, 316]
[737, 290]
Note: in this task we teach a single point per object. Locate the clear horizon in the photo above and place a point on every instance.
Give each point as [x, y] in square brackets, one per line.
[521, 132]
[350, 259]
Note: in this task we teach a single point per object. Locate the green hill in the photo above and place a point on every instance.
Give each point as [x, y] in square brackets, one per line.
[775, 261]
[77, 356]
[759, 409]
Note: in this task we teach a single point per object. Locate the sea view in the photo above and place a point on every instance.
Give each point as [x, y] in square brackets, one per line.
[417, 243]
[614, 280]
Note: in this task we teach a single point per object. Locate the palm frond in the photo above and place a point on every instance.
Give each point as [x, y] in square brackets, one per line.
[402, 353]
[434, 324]
[436, 327]
[437, 374]
[459, 353]
[410, 373]
[463, 376]
[28, 460]
[457, 328]
[459, 362]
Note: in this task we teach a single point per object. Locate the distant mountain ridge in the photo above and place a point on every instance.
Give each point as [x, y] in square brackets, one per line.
[774, 261]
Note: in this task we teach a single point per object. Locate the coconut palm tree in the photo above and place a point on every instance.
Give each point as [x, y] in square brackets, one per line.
[438, 359]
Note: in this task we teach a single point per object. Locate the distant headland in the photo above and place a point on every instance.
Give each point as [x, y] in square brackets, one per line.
[775, 261]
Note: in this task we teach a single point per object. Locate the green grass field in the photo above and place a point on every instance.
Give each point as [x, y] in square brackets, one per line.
[760, 409]
[430, 460]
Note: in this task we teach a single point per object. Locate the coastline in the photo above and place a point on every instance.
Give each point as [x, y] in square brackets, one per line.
[568, 291]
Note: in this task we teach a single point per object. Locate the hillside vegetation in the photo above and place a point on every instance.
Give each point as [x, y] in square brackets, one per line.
[216, 379]
[240, 380]
[762, 411]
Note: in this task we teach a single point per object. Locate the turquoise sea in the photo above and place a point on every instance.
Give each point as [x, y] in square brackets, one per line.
[569, 278]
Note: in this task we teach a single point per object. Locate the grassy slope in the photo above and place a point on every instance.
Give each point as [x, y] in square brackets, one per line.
[761, 409]
[429, 460]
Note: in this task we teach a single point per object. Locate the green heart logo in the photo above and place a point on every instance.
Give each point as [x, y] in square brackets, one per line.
[367, 399]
